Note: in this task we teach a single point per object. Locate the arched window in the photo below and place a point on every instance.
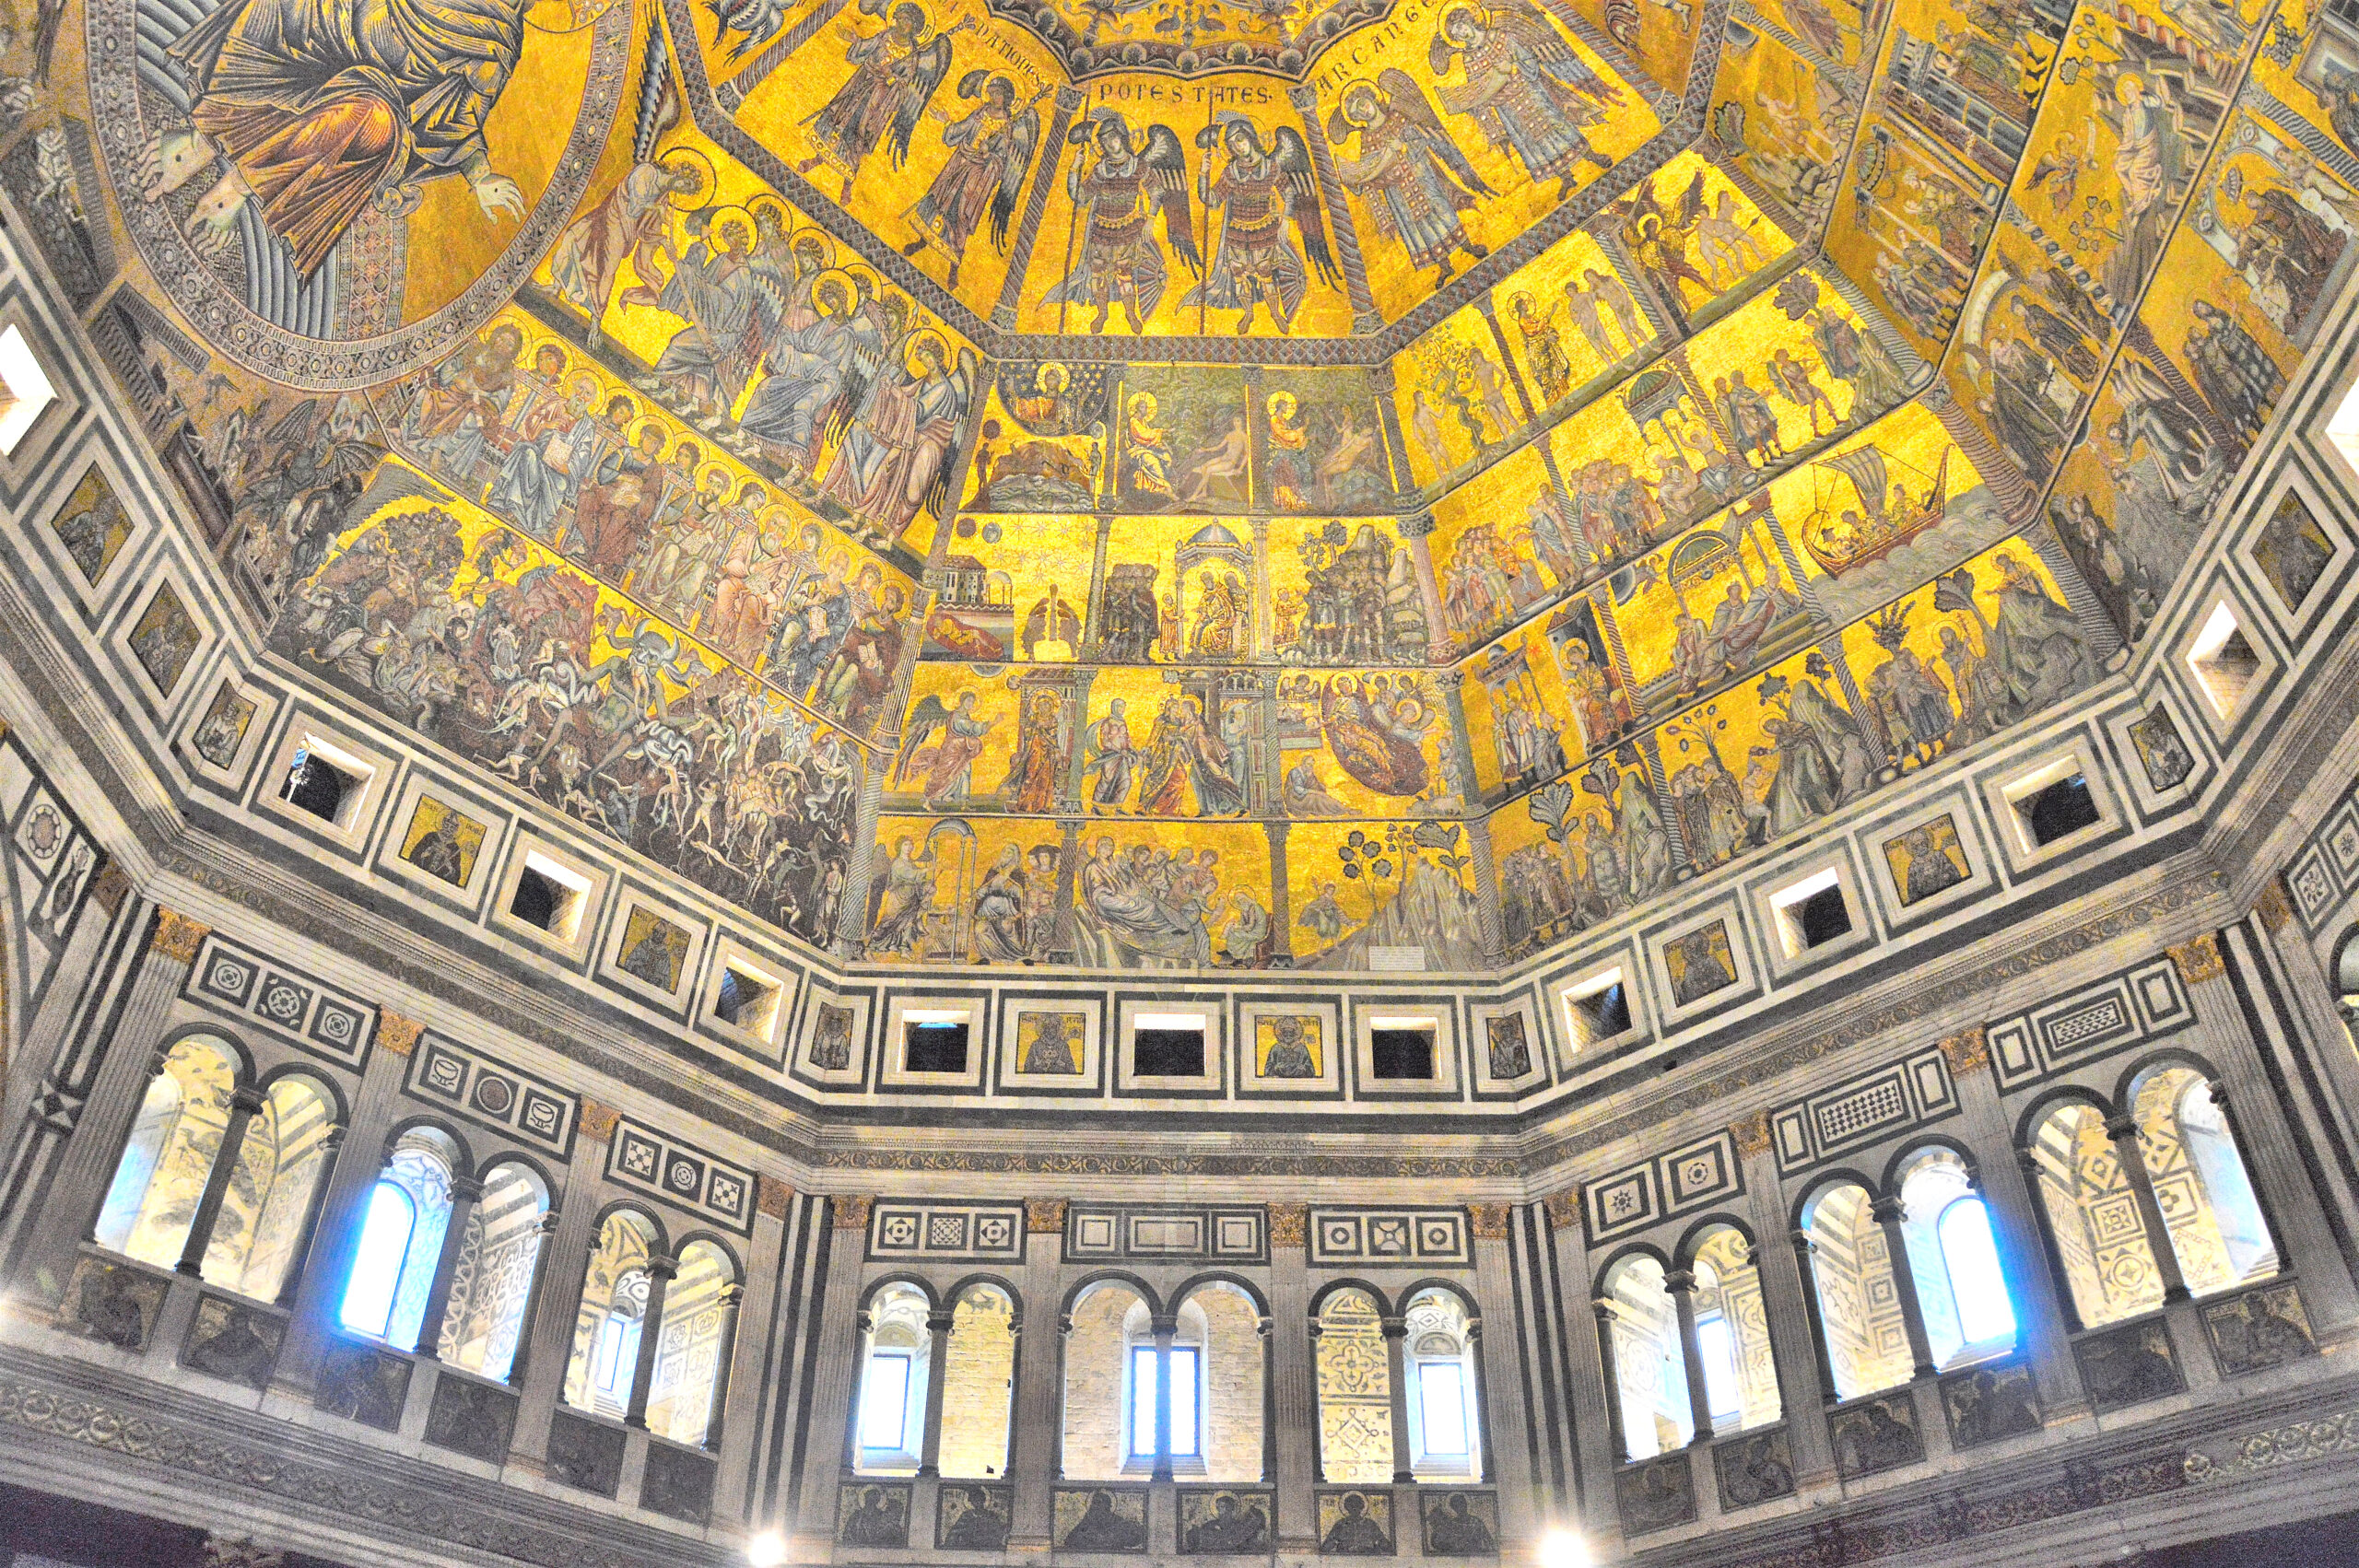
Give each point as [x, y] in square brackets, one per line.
[2207, 1199]
[491, 1283]
[1864, 1335]
[1141, 1378]
[979, 1385]
[1355, 1392]
[2093, 1219]
[1223, 1326]
[1098, 1372]
[160, 1178]
[1733, 1333]
[615, 1283]
[259, 1236]
[1640, 1329]
[400, 1239]
[894, 1366]
[692, 1344]
[1445, 1431]
[1953, 1259]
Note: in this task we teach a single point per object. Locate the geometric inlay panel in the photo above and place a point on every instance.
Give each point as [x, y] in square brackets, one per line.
[1638, 1196]
[2127, 1009]
[1391, 1238]
[951, 1233]
[314, 1015]
[486, 1089]
[1148, 1232]
[683, 1176]
[1875, 1106]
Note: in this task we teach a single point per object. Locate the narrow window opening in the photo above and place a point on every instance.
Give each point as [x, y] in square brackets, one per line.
[1167, 1045]
[1823, 916]
[547, 899]
[2060, 810]
[1601, 1011]
[1401, 1048]
[24, 389]
[317, 786]
[933, 1042]
[2224, 661]
[745, 1001]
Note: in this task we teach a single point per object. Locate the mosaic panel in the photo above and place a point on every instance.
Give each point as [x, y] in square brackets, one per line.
[316, 1016]
[981, 1233]
[486, 1089]
[684, 1176]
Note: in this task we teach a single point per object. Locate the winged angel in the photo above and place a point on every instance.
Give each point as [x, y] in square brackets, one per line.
[895, 74]
[1415, 178]
[1528, 88]
[1122, 189]
[1262, 191]
[991, 147]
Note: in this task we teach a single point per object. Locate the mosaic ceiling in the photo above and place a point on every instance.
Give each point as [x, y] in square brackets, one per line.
[1192, 483]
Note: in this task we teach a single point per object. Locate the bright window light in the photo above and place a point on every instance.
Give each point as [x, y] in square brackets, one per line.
[767, 1550]
[1715, 1343]
[1442, 1398]
[1185, 1437]
[377, 1265]
[885, 1401]
[617, 1360]
[1971, 1254]
[28, 388]
[1169, 1021]
[1142, 1401]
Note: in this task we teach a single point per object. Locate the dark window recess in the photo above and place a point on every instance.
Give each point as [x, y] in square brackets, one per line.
[2064, 807]
[316, 786]
[1821, 917]
[1604, 1013]
[936, 1047]
[1402, 1053]
[742, 999]
[1168, 1053]
[537, 900]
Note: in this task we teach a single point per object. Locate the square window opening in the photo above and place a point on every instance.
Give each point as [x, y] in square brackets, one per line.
[745, 1000]
[2059, 810]
[24, 389]
[2223, 660]
[548, 898]
[1599, 1009]
[329, 789]
[1400, 1047]
[1167, 1045]
[933, 1042]
[1811, 913]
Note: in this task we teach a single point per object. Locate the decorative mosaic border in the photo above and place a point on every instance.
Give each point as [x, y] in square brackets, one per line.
[685, 1176]
[316, 1016]
[488, 1091]
[948, 1232]
[1393, 1239]
[1907, 1094]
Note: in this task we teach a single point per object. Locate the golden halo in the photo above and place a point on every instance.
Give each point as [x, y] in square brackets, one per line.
[689, 158]
[1064, 378]
[704, 474]
[909, 351]
[737, 214]
[597, 388]
[852, 289]
[768, 203]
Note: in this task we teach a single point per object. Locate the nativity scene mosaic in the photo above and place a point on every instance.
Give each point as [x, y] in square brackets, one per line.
[1186, 484]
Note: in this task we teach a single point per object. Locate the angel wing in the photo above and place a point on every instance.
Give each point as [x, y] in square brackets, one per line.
[929, 65]
[928, 717]
[1167, 161]
[1407, 100]
[1302, 187]
[1691, 203]
[1023, 136]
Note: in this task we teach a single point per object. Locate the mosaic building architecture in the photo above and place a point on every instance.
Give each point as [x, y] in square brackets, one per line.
[1549, 781]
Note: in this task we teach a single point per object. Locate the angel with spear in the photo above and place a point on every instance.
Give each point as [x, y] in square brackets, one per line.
[1262, 191]
[1121, 190]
